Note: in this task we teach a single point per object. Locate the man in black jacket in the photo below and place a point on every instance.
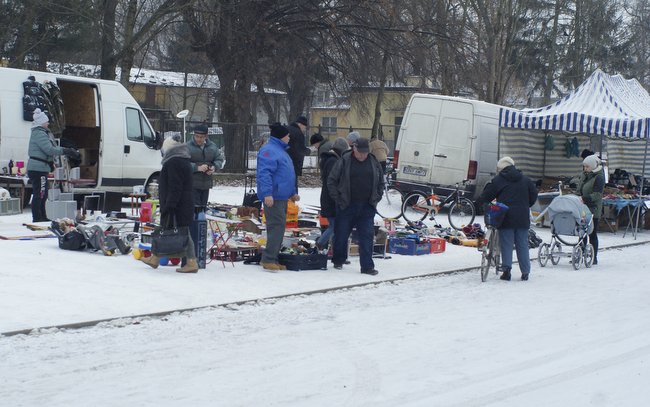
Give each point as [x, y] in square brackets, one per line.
[297, 147]
[518, 192]
[356, 184]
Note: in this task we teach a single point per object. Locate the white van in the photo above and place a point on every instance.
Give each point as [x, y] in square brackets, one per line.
[444, 140]
[103, 121]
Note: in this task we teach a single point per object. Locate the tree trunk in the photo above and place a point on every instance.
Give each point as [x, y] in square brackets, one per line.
[380, 96]
[108, 62]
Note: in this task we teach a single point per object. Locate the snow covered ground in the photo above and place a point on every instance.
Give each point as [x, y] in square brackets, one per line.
[565, 337]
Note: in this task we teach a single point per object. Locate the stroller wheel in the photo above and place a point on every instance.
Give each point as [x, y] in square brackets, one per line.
[576, 257]
[556, 253]
[588, 255]
[543, 254]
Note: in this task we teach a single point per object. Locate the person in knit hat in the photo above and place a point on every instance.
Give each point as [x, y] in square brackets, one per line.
[42, 151]
[591, 185]
[276, 184]
[175, 196]
[512, 188]
[327, 205]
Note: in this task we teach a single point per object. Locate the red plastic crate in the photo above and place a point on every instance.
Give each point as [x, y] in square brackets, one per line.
[438, 244]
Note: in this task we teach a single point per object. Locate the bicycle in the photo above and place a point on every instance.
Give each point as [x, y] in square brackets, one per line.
[417, 205]
[390, 205]
[490, 252]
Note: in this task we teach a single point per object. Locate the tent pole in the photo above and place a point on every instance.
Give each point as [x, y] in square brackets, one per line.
[638, 205]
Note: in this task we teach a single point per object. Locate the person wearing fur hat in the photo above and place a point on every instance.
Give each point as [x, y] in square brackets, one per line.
[511, 187]
[42, 150]
[276, 184]
[175, 196]
[321, 145]
[206, 158]
[380, 150]
[327, 204]
[590, 187]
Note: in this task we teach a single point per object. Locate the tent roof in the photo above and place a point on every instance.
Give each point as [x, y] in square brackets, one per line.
[606, 105]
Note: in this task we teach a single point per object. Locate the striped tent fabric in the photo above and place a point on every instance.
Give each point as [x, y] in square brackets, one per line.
[604, 105]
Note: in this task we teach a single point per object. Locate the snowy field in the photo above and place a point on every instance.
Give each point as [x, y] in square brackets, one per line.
[564, 338]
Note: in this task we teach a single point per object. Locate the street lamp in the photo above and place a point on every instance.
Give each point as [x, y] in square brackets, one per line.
[182, 115]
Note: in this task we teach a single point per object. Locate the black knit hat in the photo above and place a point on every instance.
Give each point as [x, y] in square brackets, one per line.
[315, 138]
[278, 130]
[302, 120]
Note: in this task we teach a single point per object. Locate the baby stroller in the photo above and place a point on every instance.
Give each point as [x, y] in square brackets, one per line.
[571, 224]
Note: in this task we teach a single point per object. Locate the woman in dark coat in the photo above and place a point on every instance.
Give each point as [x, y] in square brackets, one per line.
[327, 204]
[175, 193]
[514, 189]
[590, 187]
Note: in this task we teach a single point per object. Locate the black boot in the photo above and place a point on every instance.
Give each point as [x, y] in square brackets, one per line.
[505, 275]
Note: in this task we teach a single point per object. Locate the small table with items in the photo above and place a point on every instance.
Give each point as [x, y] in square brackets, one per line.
[634, 209]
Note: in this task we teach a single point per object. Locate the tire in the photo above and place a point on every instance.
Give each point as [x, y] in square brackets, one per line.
[415, 207]
[588, 255]
[556, 253]
[543, 254]
[485, 264]
[390, 206]
[576, 257]
[461, 213]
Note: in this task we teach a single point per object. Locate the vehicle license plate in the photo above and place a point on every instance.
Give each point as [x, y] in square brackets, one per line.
[419, 171]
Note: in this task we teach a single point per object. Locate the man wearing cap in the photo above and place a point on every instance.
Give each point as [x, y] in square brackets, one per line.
[206, 158]
[297, 147]
[356, 184]
[42, 151]
[276, 184]
[518, 192]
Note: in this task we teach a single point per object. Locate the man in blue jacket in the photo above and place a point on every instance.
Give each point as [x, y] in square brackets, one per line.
[276, 184]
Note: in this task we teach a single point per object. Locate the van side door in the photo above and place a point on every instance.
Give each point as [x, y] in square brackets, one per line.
[453, 145]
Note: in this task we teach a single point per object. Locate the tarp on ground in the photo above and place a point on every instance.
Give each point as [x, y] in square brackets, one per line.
[608, 106]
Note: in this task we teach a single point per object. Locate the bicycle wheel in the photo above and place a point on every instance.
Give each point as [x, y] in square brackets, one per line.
[485, 264]
[461, 213]
[416, 207]
[390, 206]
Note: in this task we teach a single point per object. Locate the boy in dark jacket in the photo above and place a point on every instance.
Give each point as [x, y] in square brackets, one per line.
[518, 192]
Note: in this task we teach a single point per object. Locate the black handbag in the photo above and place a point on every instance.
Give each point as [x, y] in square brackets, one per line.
[170, 241]
[250, 196]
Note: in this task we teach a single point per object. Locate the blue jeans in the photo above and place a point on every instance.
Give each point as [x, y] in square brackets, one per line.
[328, 233]
[359, 215]
[518, 238]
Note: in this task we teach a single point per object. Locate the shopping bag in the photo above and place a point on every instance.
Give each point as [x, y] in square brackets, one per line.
[495, 214]
[170, 241]
[251, 200]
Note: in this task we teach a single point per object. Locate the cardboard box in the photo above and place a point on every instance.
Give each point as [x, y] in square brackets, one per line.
[608, 225]
[408, 247]
[88, 171]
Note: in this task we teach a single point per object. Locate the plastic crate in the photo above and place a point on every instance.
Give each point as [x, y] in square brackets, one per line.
[438, 244]
[408, 247]
[10, 206]
[299, 262]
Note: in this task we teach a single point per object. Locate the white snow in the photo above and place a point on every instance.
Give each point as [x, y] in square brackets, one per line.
[564, 338]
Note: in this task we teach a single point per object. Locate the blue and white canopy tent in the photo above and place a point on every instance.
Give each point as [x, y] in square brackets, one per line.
[603, 107]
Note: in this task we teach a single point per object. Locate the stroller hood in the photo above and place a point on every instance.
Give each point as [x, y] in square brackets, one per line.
[570, 204]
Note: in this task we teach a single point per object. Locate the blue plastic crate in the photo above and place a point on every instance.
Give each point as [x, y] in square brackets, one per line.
[408, 247]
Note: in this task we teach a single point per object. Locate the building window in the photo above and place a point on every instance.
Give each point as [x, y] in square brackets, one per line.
[328, 125]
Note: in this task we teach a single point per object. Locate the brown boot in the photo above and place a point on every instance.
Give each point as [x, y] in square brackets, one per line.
[190, 267]
[272, 267]
[153, 261]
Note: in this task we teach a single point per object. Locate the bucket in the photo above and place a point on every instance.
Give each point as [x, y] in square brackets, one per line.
[145, 212]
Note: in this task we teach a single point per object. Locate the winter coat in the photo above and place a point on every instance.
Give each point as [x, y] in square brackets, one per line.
[175, 187]
[590, 188]
[42, 147]
[338, 181]
[327, 205]
[210, 155]
[516, 190]
[297, 147]
[324, 147]
[275, 174]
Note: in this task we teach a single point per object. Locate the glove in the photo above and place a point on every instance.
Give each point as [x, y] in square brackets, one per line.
[72, 153]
